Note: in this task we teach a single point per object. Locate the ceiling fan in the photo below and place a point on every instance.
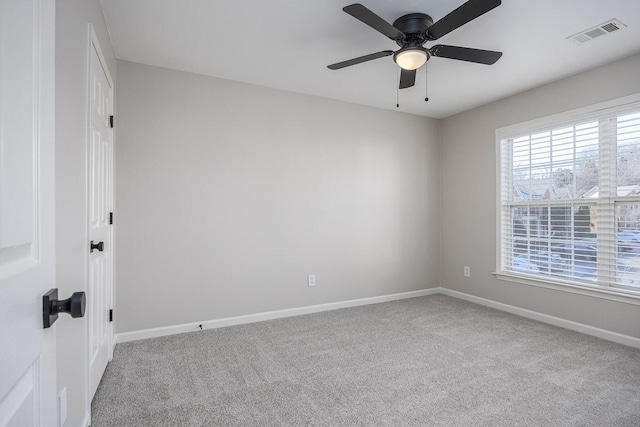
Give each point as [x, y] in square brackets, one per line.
[412, 31]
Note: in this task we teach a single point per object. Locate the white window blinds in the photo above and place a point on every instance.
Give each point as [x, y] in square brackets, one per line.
[570, 200]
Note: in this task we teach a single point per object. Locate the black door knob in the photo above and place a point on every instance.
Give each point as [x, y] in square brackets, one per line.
[51, 306]
[99, 246]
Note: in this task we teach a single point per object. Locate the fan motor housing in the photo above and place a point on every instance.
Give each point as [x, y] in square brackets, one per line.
[415, 26]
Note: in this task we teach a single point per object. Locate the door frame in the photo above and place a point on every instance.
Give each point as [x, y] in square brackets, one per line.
[94, 44]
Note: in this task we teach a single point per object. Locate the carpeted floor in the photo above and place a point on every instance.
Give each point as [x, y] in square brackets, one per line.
[430, 361]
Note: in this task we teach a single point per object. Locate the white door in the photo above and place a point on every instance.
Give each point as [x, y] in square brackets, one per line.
[100, 198]
[27, 351]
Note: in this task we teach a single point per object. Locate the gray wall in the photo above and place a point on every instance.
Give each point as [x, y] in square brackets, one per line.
[72, 47]
[469, 196]
[229, 194]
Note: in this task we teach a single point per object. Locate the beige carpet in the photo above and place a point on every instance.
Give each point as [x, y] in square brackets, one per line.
[429, 361]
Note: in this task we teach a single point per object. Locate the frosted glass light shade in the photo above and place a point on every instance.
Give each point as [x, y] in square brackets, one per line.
[411, 59]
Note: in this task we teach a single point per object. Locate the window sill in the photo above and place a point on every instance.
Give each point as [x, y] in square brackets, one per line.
[619, 295]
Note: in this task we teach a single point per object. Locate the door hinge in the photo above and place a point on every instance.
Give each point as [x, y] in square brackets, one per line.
[111, 315]
[110, 217]
[111, 122]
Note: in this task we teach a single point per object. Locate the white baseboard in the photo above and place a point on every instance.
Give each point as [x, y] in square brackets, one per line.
[270, 315]
[545, 318]
[87, 420]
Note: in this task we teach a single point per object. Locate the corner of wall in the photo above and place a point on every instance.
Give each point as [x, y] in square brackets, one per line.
[440, 133]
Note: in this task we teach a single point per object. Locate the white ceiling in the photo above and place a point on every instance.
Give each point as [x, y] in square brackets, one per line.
[287, 44]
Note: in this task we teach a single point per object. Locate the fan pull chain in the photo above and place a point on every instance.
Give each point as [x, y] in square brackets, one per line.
[426, 81]
[398, 89]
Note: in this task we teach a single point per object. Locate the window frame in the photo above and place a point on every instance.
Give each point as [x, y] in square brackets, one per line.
[568, 118]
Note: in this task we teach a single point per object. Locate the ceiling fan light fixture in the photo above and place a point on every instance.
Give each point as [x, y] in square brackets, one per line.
[411, 58]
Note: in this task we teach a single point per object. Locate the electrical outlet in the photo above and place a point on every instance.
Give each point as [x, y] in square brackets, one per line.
[467, 271]
[311, 280]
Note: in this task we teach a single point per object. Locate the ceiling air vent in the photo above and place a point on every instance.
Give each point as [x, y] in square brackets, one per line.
[597, 31]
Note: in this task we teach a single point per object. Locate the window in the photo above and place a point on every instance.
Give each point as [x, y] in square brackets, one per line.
[569, 190]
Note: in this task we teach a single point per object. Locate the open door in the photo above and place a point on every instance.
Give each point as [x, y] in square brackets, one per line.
[27, 254]
[100, 183]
